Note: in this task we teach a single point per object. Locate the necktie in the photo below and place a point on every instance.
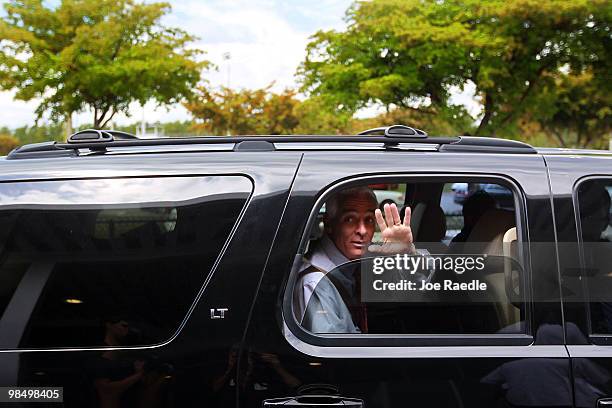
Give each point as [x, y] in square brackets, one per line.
[359, 308]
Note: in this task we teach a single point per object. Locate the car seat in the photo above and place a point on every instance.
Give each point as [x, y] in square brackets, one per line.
[432, 228]
[490, 236]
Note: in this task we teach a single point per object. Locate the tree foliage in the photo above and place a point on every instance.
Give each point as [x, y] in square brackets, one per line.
[253, 112]
[575, 111]
[412, 54]
[7, 143]
[244, 112]
[317, 117]
[101, 55]
[39, 133]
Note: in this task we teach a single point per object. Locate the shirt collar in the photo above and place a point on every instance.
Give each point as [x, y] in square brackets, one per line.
[325, 256]
[332, 251]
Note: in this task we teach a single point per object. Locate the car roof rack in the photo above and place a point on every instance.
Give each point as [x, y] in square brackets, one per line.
[391, 137]
[395, 131]
[96, 135]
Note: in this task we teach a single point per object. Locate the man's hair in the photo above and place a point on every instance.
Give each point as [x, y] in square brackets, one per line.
[334, 204]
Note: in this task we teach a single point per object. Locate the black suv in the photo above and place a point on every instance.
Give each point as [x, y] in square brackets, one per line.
[213, 272]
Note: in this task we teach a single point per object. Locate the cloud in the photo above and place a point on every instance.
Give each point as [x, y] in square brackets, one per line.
[264, 45]
[15, 113]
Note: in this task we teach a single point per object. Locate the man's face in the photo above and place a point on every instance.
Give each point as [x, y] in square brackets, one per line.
[354, 227]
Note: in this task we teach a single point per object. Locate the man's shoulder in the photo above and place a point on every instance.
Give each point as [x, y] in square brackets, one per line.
[311, 273]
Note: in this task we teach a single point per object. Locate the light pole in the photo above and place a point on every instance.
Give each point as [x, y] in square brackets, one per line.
[227, 57]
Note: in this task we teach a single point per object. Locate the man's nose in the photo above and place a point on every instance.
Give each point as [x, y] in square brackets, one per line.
[361, 228]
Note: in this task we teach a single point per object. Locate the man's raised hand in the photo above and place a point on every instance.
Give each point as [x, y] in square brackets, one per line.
[397, 235]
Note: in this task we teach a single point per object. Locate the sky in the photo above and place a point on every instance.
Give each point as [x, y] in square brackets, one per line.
[265, 39]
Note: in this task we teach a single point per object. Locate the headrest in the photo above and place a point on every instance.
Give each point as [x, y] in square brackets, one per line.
[433, 224]
[489, 231]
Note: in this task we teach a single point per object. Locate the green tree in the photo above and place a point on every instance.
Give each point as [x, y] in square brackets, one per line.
[181, 128]
[576, 111]
[40, 133]
[412, 54]
[244, 112]
[317, 117]
[7, 143]
[100, 55]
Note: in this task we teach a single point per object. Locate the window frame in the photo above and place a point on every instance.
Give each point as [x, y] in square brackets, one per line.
[294, 332]
[595, 339]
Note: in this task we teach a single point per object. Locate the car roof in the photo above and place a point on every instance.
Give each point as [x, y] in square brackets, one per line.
[390, 138]
[396, 137]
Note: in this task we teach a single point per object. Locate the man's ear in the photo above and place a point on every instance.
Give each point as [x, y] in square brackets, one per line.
[327, 225]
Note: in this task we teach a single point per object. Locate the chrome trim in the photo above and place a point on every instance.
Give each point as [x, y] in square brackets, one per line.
[186, 148]
[354, 146]
[558, 151]
[589, 350]
[290, 146]
[533, 351]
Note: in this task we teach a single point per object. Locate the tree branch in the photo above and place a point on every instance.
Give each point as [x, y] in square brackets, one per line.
[102, 115]
[488, 112]
[558, 136]
[524, 96]
[537, 77]
[103, 125]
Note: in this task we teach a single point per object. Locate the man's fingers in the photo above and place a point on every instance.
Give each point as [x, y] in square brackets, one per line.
[388, 215]
[395, 213]
[380, 220]
[407, 215]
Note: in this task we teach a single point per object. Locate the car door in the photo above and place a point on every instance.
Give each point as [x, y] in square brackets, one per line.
[524, 364]
[127, 279]
[582, 186]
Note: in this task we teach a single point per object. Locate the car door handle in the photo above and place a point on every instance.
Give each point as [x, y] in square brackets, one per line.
[604, 403]
[315, 401]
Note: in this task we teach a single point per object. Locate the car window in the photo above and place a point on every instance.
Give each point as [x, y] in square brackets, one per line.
[459, 273]
[596, 232]
[112, 262]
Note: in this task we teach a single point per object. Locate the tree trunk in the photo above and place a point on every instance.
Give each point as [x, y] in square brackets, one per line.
[488, 112]
[99, 115]
[68, 125]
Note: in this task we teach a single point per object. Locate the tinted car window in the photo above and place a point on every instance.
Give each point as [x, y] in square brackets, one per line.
[94, 262]
[464, 276]
[594, 205]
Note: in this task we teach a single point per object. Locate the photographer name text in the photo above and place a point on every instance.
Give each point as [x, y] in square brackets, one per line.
[446, 285]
